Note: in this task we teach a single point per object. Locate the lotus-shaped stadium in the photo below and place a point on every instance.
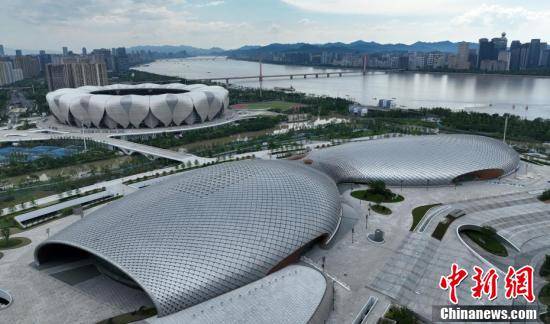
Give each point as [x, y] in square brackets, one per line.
[145, 105]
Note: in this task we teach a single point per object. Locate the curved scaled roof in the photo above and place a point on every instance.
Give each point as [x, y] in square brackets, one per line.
[208, 231]
[291, 295]
[143, 105]
[417, 160]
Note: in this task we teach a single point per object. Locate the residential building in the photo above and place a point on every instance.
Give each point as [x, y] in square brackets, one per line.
[44, 59]
[1, 50]
[524, 56]
[8, 74]
[18, 52]
[515, 55]
[486, 50]
[462, 58]
[75, 73]
[503, 61]
[65, 51]
[534, 54]
[28, 64]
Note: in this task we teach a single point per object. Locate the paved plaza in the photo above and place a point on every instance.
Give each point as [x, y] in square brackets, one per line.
[404, 269]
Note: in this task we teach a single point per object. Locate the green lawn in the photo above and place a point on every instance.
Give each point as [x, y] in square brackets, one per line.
[368, 195]
[544, 295]
[381, 209]
[418, 213]
[487, 240]
[274, 104]
[13, 243]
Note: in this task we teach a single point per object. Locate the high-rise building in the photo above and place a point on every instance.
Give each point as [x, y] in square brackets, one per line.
[44, 59]
[8, 74]
[18, 52]
[1, 50]
[545, 59]
[515, 55]
[524, 56]
[121, 60]
[84, 51]
[489, 51]
[503, 61]
[28, 64]
[472, 57]
[105, 54]
[534, 54]
[463, 53]
[65, 51]
[543, 48]
[486, 51]
[75, 73]
[499, 44]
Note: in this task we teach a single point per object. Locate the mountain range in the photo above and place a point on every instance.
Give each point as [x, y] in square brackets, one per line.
[357, 46]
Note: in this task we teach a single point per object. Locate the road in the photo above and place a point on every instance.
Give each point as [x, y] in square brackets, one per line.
[49, 129]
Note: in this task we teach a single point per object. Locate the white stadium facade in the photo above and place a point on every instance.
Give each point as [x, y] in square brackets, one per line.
[144, 105]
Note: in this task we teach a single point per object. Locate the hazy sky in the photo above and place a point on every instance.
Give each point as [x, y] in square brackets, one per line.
[50, 24]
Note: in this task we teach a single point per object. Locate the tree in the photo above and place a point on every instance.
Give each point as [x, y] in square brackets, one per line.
[5, 231]
[378, 187]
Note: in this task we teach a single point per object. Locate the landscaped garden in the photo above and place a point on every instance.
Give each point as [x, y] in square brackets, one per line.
[442, 226]
[374, 196]
[13, 243]
[378, 193]
[381, 209]
[487, 238]
[418, 213]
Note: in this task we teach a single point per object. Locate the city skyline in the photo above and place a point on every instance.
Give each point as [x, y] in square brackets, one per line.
[51, 25]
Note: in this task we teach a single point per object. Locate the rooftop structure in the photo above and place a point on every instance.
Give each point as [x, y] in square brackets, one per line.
[417, 160]
[205, 232]
[144, 105]
[298, 291]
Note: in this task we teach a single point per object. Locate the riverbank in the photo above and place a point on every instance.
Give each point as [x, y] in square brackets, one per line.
[359, 69]
[496, 94]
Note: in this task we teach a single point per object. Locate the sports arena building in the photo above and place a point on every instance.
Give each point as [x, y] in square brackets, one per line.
[417, 160]
[206, 232]
[144, 105]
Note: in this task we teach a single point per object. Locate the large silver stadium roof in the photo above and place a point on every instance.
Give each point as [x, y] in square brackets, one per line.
[417, 160]
[208, 231]
[142, 105]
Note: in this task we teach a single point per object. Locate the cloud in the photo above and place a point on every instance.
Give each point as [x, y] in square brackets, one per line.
[380, 7]
[305, 22]
[494, 15]
[210, 4]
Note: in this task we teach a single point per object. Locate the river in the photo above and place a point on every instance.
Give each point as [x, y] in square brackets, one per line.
[526, 96]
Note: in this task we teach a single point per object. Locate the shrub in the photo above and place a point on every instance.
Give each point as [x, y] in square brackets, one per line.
[401, 314]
